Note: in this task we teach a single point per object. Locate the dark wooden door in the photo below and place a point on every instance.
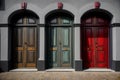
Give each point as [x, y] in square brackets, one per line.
[25, 46]
[95, 44]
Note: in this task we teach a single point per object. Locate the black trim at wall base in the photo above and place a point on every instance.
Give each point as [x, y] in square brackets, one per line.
[116, 65]
[78, 65]
[4, 66]
[41, 65]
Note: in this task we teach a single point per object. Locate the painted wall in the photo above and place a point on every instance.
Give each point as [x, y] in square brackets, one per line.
[77, 7]
[117, 43]
[4, 44]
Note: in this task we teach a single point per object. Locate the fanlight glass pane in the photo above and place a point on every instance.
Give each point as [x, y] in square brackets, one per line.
[66, 21]
[20, 21]
[26, 20]
[31, 21]
[88, 21]
[54, 21]
[100, 20]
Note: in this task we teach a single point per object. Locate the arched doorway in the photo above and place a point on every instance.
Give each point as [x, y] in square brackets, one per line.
[23, 33]
[59, 39]
[95, 26]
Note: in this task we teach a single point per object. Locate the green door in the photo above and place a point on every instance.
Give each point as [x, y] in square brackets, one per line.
[60, 47]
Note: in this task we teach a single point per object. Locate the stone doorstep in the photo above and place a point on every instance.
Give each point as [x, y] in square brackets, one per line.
[60, 70]
[24, 70]
[99, 70]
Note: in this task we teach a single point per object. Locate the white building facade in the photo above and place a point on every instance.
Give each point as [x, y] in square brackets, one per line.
[66, 34]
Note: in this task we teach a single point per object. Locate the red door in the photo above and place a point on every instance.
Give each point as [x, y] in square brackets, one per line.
[94, 46]
[101, 44]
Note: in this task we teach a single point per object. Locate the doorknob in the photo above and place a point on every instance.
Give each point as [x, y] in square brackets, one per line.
[99, 48]
[25, 43]
[88, 49]
[60, 43]
[96, 43]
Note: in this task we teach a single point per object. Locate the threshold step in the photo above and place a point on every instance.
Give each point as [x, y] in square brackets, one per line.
[60, 70]
[99, 70]
[26, 70]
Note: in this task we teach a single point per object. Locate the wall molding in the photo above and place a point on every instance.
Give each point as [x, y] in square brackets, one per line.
[74, 25]
[116, 25]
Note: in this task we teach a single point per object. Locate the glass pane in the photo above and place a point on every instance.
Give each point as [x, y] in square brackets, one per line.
[31, 21]
[20, 21]
[54, 21]
[88, 21]
[53, 36]
[66, 21]
[66, 56]
[65, 37]
[100, 20]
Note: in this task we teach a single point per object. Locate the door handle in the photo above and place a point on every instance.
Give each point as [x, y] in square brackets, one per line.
[25, 43]
[88, 49]
[65, 49]
[60, 43]
[53, 49]
[24, 48]
[99, 48]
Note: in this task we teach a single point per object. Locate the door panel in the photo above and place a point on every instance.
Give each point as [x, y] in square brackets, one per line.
[53, 47]
[88, 47]
[31, 36]
[31, 46]
[54, 54]
[102, 47]
[66, 47]
[60, 47]
[25, 47]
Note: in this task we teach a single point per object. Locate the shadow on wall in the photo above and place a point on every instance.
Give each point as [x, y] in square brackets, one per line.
[0, 70]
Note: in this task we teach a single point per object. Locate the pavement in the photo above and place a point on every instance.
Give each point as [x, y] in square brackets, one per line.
[44, 75]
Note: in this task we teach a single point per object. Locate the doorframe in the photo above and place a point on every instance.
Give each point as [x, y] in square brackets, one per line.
[13, 17]
[10, 40]
[108, 41]
[109, 17]
[53, 14]
[72, 45]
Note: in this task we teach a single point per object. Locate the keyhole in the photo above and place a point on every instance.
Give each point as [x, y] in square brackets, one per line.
[25, 43]
[60, 43]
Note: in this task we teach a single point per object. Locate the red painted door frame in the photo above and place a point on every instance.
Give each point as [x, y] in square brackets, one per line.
[95, 43]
